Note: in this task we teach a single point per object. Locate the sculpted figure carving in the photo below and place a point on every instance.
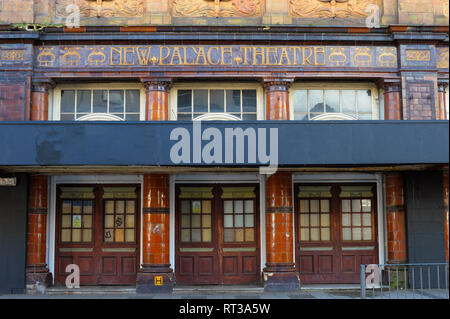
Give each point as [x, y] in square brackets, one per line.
[330, 8]
[103, 8]
[217, 8]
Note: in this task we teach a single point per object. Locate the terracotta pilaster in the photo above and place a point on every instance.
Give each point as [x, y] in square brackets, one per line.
[396, 221]
[39, 100]
[36, 270]
[445, 195]
[157, 99]
[277, 98]
[392, 101]
[442, 102]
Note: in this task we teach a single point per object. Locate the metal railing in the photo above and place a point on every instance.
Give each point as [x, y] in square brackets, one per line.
[405, 281]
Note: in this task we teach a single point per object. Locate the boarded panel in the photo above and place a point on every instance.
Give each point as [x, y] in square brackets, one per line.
[13, 213]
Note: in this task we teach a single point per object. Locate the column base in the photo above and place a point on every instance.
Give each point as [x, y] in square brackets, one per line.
[155, 280]
[280, 279]
[38, 279]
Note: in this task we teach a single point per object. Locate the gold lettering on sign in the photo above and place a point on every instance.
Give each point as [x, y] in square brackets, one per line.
[418, 55]
[13, 55]
[210, 60]
[442, 58]
[144, 55]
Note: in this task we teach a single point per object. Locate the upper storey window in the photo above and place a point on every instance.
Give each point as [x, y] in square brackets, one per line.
[98, 102]
[235, 102]
[331, 102]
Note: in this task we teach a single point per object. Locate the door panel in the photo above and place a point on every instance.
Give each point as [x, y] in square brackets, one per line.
[336, 231]
[97, 229]
[217, 237]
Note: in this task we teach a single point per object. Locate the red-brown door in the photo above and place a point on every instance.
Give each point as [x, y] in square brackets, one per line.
[98, 230]
[217, 238]
[335, 231]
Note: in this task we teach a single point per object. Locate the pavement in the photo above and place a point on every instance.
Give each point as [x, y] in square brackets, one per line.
[227, 293]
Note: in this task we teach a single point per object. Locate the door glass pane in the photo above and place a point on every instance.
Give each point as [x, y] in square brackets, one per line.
[87, 221]
[304, 234]
[116, 101]
[195, 221]
[367, 219]
[239, 235]
[65, 235]
[196, 207]
[200, 101]
[238, 207]
[206, 207]
[228, 206]
[304, 206]
[185, 221]
[87, 235]
[356, 219]
[185, 207]
[346, 234]
[119, 236]
[325, 220]
[206, 221]
[228, 235]
[315, 236]
[83, 101]
[87, 207]
[356, 205]
[109, 207]
[109, 221]
[356, 233]
[367, 234]
[325, 233]
[185, 235]
[346, 220]
[217, 101]
[109, 235]
[238, 220]
[119, 221]
[228, 221]
[314, 206]
[314, 220]
[120, 207]
[346, 205]
[129, 235]
[249, 207]
[100, 101]
[207, 235]
[130, 221]
[324, 205]
[130, 207]
[196, 235]
[366, 205]
[233, 101]
[304, 220]
[332, 100]
[76, 235]
[67, 101]
[66, 221]
[249, 235]
[249, 221]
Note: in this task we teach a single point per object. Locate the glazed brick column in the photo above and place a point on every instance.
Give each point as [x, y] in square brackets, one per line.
[395, 216]
[392, 101]
[442, 103]
[36, 270]
[445, 194]
[277, 98]
[39, 100]
[157, 99]
[156, 213]
[280, 273]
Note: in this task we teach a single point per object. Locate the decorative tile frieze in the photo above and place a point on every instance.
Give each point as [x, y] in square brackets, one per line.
[217, 8]
[102, 8]
[331, 8]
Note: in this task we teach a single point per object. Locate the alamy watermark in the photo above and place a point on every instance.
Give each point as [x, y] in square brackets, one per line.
[262, 148]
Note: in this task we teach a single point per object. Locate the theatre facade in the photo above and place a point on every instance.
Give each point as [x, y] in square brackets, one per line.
[170, 143]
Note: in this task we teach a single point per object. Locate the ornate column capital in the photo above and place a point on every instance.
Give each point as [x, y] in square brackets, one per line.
[157, 84]
[391, 86]
[442, 86]
[42, 85]
[277, 84]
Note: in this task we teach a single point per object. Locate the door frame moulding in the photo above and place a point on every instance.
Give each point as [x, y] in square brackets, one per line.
[354, 178]
[83, 179]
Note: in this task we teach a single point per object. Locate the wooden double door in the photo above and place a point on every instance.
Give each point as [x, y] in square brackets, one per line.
[97, 228]
[217, 234]
[336, 231]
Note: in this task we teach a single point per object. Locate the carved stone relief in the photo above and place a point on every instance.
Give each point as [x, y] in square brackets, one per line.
[102, 8]
[217, 8]
[330, 8]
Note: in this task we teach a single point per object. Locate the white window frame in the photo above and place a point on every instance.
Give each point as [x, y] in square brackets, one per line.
[55, 110]
[173, 97]
[336, 86]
